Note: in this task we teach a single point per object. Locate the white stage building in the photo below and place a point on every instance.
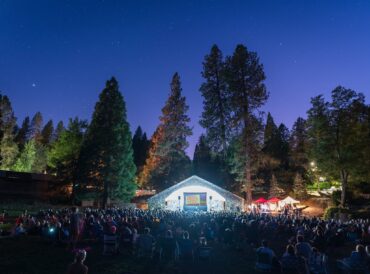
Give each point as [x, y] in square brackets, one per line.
[196, 194]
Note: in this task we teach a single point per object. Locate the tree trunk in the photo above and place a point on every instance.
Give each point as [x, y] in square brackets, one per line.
[344, 181]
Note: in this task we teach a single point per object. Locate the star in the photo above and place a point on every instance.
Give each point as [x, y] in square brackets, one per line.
[33, 85]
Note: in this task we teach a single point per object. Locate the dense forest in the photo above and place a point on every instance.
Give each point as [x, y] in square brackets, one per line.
[242, 148]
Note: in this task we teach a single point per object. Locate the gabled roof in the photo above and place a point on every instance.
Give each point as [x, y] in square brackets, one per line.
[195, 181]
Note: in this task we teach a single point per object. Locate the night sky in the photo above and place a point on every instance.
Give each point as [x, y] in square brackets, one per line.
[55, 56]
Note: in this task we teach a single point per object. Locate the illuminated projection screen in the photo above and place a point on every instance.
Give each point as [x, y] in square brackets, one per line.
[195, 201]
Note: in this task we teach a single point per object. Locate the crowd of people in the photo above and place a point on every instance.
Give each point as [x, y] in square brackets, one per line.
[191, 236]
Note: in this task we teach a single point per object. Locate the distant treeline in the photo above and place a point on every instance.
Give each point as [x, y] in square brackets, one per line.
[242, 147]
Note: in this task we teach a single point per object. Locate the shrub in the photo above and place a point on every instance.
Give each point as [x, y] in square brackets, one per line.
[333, 212]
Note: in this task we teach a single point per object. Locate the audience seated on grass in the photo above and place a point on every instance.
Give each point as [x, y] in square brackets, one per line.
[200, 235]
[357, 262]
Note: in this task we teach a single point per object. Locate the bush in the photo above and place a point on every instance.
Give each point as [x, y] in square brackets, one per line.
[333, 212]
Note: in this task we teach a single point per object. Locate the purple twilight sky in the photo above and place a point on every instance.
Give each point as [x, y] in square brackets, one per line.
[55, 56]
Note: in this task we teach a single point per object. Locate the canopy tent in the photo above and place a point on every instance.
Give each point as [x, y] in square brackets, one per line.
[273, 200]
[260, 201]
[288, 201]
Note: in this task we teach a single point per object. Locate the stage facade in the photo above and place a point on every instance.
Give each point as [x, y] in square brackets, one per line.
[196, 194]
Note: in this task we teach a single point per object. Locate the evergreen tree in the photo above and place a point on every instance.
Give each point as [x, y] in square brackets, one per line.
[65, 151]
[203, 163]
[298, 146]
[47, 133]
[299, 187]
[283, 140]
[58, 131]
[167, 162]
[269, 136]
[8, 148]
[27, 157]
[140, 146]
[276, 141]
[35, 128]
[21, 137]
[275, 190]
[216, 105]
[245, 77]
[40, 163]
[106, 158]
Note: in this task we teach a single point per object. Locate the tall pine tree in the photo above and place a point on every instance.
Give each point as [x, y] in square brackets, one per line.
[298, 146]
[216, 105]
[47, 133]
[203, 162]
[21, 137]
[106, 158]
[35, 128]
[140, 146]
[58, 131]
[8, 147]
[245, 79]
[167, 162]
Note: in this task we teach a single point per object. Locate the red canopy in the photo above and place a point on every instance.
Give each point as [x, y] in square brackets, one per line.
[273, 200]
[260, 201]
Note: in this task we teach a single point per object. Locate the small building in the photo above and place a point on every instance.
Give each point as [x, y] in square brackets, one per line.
[196, 194]
[23, 185]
